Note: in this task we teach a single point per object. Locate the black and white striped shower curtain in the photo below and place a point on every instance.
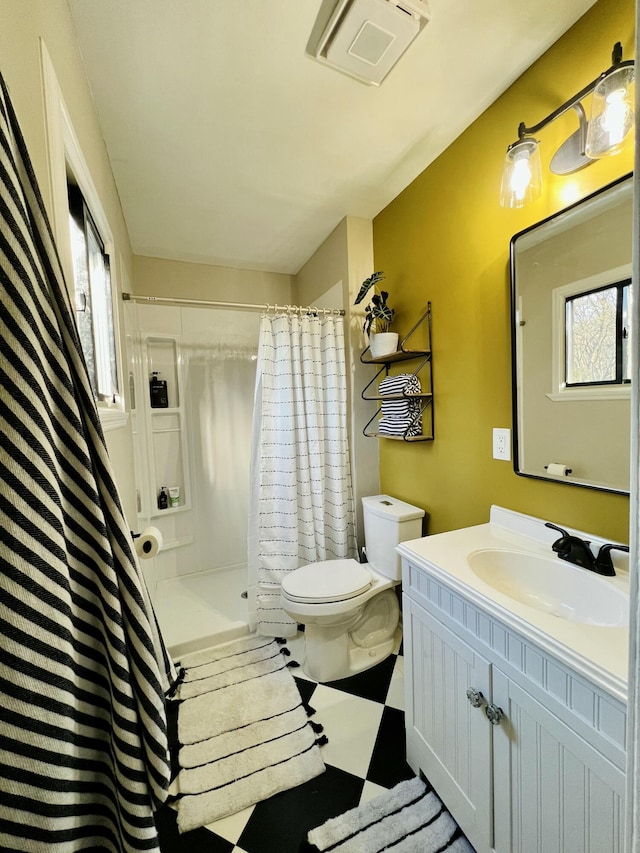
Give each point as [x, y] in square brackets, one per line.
[83, 671]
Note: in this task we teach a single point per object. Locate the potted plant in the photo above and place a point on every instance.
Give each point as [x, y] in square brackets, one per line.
[378, 317]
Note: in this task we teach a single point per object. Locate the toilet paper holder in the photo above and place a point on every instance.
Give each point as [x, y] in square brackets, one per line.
[558, 469]
[145, 548]
[149, 544]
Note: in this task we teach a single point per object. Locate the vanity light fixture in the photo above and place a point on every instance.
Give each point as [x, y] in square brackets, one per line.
[604, 134]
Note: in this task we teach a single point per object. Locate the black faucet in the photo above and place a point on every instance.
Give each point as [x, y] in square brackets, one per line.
[604, 564]
[577, 551]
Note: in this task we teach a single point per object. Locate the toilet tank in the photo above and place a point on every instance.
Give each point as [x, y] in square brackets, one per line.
[387, 522]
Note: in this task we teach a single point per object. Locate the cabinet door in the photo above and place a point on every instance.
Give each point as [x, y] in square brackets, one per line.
[447, 738]
[554, 793]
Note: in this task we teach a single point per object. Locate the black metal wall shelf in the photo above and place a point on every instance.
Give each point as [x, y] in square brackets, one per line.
[425, 397]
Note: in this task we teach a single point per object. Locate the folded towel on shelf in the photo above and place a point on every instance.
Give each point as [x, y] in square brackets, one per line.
[400, 408]
[400, 426]
[403, 383]
[401, 416]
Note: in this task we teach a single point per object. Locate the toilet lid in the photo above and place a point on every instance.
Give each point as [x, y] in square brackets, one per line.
[328, 580]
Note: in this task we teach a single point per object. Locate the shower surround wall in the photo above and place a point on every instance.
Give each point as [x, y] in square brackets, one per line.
[200, 442]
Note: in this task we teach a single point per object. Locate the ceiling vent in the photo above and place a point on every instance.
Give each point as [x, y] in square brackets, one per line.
[365, 38]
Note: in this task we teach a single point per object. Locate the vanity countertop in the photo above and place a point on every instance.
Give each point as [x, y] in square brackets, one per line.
[600, 653]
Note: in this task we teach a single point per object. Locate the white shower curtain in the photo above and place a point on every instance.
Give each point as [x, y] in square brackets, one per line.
[301, 497]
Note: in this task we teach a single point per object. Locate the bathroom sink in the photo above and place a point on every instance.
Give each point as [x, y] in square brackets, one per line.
[552, 586]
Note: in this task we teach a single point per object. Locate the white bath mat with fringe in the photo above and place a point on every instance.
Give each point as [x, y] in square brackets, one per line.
[243, 730]
[407, 819]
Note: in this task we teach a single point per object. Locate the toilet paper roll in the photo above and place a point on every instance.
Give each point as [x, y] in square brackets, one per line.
[557, 469]
[148, 543]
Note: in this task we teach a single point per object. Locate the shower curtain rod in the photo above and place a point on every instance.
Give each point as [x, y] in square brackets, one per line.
[243, 306]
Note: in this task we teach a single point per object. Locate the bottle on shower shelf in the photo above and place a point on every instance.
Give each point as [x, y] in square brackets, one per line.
[163, 498]
[158, 391]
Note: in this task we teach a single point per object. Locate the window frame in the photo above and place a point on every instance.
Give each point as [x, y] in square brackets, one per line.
[97, 324]
[619, 287]
[65, 157]
[561, 392]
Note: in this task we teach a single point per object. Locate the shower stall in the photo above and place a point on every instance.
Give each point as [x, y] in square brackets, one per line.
[195, 439]
[193, 436]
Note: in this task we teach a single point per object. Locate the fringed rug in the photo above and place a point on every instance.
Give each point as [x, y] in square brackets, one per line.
[244, 732]
[407, 819]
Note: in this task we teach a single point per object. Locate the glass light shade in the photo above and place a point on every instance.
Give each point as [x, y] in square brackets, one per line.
[612, 113]
[522, 175]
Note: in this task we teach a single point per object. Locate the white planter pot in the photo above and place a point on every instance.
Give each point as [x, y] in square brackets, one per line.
[383, 343]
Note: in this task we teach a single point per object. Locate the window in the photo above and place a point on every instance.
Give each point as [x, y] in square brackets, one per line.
[89, 225]
[94, 307]
[590, 338]
[597, 350]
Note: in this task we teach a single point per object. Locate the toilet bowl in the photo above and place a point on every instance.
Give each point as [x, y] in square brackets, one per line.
[350, 614]
[350, 610]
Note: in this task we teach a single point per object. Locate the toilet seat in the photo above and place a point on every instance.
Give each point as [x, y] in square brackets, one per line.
[327, 581]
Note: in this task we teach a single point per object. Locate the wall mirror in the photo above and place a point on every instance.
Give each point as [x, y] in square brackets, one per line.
[570, 316]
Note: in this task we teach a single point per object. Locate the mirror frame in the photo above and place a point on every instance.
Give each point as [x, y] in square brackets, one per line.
[628, 177]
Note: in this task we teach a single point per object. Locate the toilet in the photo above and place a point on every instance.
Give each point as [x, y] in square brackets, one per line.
[349, 609]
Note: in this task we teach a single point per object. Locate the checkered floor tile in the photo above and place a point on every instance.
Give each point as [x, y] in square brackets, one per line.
[363, 719]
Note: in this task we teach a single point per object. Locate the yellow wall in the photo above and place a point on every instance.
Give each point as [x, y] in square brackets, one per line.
[446, 239]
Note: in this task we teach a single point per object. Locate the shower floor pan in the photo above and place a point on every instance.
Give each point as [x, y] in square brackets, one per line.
[202, 609]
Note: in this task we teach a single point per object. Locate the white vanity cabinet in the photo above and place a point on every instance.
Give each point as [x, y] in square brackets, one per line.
[547, 776]
[446, 737]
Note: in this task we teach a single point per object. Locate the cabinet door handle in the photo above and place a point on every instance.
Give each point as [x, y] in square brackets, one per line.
[475, 697]
[494, 714]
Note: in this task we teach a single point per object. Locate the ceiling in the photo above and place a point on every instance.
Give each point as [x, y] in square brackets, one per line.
[230, 146]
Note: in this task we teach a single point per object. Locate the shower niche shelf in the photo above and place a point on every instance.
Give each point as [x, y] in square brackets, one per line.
[165, 427]
[164, 513]
[423, 370]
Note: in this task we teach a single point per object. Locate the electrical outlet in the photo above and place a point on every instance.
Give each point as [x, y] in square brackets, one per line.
[502, 444]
